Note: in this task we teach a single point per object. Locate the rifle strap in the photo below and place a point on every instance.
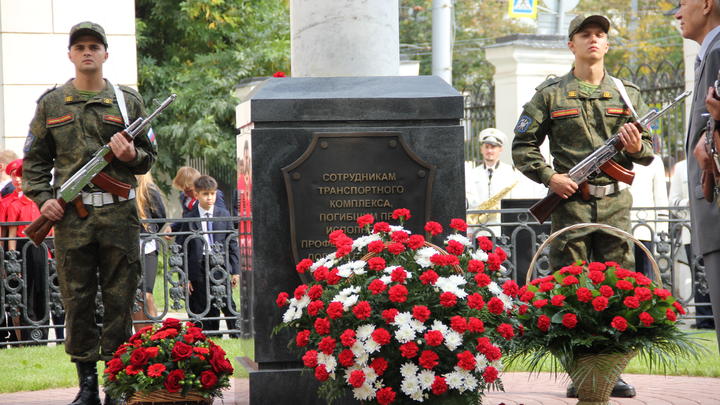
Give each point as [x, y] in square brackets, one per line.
[82, 212]
[623, 93]
[121, 103]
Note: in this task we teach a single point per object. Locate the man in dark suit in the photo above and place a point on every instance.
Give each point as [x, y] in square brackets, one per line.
[202, 249]
[700, 22]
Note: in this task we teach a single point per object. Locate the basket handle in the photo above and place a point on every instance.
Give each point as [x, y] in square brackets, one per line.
[606, 227]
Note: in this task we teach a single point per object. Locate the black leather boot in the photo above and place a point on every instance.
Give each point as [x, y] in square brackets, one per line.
[88, 381]
[110, 400]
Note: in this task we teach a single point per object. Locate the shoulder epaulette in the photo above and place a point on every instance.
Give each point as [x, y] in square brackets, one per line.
[131, 91]
[50, 90]
[628, 83]
[548, 82]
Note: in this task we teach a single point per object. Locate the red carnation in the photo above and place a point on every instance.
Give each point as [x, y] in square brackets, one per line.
[597, 277]
[156, 370]
[433, 228]
[390, 314]
[546, 286]
[448, 299]
[172, 382]
[113, 366]
[321, 373]
[482, 279]
[429, 277]
[490, 374]
[606, 291]
[428, 359]
[505, 330]
[466, 360]
[558, 300]
[304, 265]
[400, 236]
[421, 313]
[640, 279]
[346, 358]
[600, 303]
[458, 324]
[619, 323]
[409, 350]
[402, 214]
[381, 227]
[396, 248]
[458, 224]
[398, 275]
[302, 338]
[315, 292]
[376, 246]
[434, 338]
[398, 293]
[379, 364]
[347, 338]
[381, 336]
[208, 379]
[510, 288]
[475, 266]
[300, 291]
[314, 308]
[646, 319]
[540, 303]
[476, 301]
[493, 261]
[376, 263]
[543, 323]
[569, 320]
[624, 285]
[527, 296]
[333, 277]
[439, 386]
[377, 286]
[495, 306]
[385, 396]
[476, 325]
[679, 308]
[362, 310]
[484, 243]
[335, 310]
[455, 248]
[282, 299]
[670, 315]
[597, 266]
[357, 378]
[365, 220]
[584, 294]
[322, 326]
[643, 293]
[631, 302]
[310, 358]
[570, 280]
[416, 241]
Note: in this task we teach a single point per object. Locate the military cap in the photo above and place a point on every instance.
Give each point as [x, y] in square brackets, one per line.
[14, 166]
[87, 28]
[580, 22]
[492, 136]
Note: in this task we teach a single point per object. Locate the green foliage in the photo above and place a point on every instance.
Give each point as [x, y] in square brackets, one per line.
[201, 49]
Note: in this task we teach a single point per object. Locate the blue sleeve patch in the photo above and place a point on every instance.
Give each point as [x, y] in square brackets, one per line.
[523, 124]
[28, 142]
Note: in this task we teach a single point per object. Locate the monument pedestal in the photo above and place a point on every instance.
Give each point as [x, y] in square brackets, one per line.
[281, 118]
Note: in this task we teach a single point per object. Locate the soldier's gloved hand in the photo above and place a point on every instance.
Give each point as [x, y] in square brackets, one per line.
[631, 137]
[52, 210]
[562, 185]
[123, 149]
[713, 103]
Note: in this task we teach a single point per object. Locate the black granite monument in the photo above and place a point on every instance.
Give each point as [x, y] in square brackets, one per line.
[325, 150]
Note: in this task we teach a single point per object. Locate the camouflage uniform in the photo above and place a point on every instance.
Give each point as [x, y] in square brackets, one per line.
[577, 125]
[67, 129]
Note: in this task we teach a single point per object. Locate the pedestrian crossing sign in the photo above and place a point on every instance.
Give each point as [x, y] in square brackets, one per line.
[522, 8]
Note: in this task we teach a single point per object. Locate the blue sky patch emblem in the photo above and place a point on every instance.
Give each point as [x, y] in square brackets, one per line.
[523, 124]
[28, 142]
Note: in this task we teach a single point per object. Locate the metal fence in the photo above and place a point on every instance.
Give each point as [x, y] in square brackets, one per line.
[38, 310]
[659, 84]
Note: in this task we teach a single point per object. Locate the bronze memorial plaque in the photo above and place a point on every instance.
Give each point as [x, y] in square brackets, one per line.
[342, 176]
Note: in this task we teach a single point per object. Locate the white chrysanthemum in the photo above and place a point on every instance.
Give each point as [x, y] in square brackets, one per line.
[470, 383]
[363, 241]
[454, 380]
[480, 362]
[386, 279]
[388, 270]
[345, 270]
[458, 238]
[506, 300]
[410, 385]
[394, 228]
[348, 302]
[346, 292]
[497, 364]
[423, 255]
[357, 348]
[404, 334]
[329, 361]
[437, 325]
[494, 288]
[403, 318]
[362, 359]
[364, 331]
[291, 314]
[480, 255]
[408, 369]
[358, 266]
[453, 340]
[426, 378]
[364, 393]
[327, 261]
[371, 346]
[418, 396]
[417, 325]
[370, 375]
[452, 284]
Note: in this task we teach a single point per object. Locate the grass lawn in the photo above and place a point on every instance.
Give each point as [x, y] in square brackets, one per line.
[38, 368]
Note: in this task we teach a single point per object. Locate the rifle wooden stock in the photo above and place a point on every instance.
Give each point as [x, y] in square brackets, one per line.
[617, 172]
[542, 209]
[38, 230]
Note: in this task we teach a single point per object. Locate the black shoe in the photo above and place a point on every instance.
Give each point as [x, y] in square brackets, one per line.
[112, 401]
[88, 381]
[623, 390]
[571, 391]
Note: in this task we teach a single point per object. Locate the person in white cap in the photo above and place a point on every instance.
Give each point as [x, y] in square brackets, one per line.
[492, 177]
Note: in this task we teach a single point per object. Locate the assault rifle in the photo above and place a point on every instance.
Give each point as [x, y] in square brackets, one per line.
[600, 160]
[91, 172]
[710, 176]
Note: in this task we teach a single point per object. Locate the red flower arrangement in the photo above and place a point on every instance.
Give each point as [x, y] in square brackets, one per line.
[598, 309]
[173, 356]
[396, 319]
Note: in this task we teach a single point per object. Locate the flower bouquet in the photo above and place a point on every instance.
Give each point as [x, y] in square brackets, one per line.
[593, 318]
[168, 362]
[396, 319]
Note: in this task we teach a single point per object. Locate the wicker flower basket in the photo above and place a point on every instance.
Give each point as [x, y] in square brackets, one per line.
[163, 397]
[595, 375]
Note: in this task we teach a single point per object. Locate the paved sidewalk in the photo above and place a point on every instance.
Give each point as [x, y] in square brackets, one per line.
[521, 388]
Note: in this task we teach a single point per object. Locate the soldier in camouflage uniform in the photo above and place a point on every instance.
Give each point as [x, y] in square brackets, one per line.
[578, 112]
[71, 123]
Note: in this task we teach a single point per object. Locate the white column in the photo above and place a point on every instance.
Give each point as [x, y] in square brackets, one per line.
[521, 63]
[33, 53]
[442, 33]
[344, 38]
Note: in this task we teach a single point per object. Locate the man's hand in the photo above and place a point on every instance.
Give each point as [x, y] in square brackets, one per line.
[713, 104]
[631, 137]
[123, 149]
[235, 280]
[52, 210]
[190, 286]
[562, 185]
[701, 156]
